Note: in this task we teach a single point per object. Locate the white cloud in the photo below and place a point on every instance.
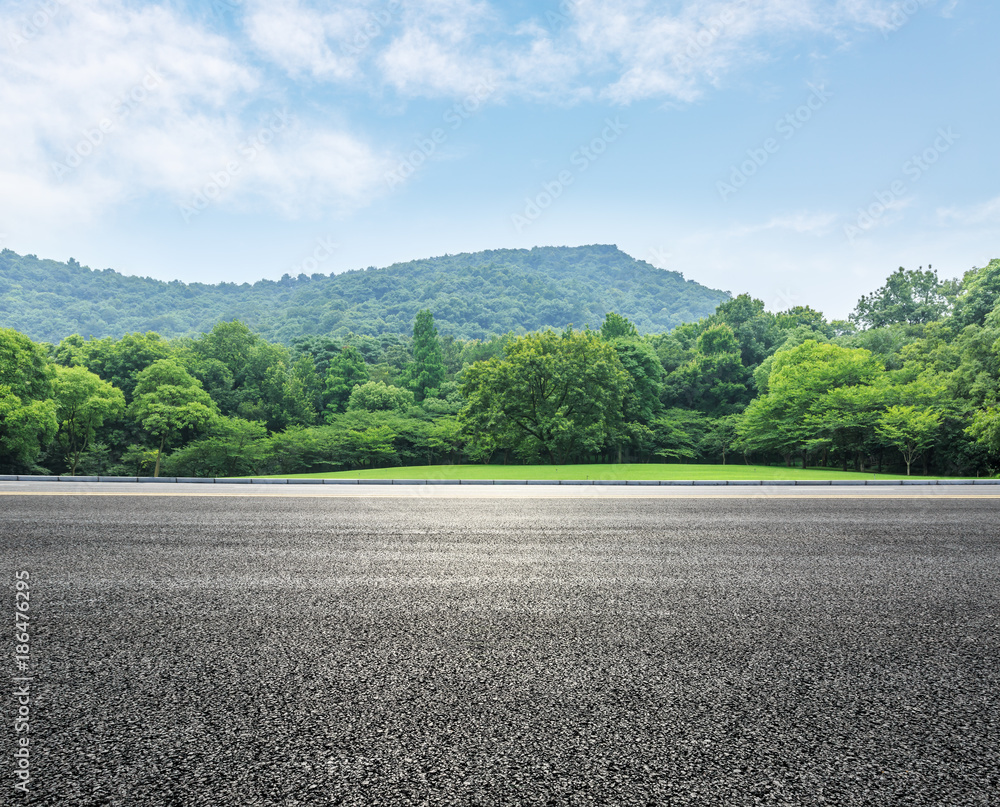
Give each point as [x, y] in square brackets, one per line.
[973, 215]
[108, 101]
[438, 50]
[623, 51]
[301, 39]
[802, 223]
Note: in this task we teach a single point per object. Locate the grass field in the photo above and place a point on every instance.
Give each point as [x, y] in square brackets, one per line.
[597, 472]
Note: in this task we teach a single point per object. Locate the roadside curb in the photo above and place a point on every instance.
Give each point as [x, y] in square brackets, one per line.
[575, 482]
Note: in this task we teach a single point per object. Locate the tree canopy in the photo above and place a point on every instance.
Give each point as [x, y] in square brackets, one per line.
[743, 383]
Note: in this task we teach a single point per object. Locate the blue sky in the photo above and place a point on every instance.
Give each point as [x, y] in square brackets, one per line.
[795, 149]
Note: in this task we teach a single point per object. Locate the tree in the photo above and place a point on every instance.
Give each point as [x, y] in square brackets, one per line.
[978, 294]
[714, 381]
[168, 401]
[721, 436]
[914, 297]
[845, 418]
[642, 401]
[427, 371]
[799, 378]
[27, 413]
[910, 429]
[615, 326]
[757, 331]
[985, 428]
[677, 434]
[554, 394]
[232, 447]
[377, 396]
[347, 370]
[248, 377]
[120, 361]
[83, 403]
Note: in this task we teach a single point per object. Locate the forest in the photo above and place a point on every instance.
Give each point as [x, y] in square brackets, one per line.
[472, 295]
[908, 383]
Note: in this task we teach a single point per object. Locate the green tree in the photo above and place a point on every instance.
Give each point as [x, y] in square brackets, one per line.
[677, 434]
[250, 378]
[757, 331]
[985, 428]
[978, 294]
[799, 378]
[27, 411]
[169, 401]
[377, 396]
[914, 297]
[615, 326]
[721, 436]
[346, 371]
[427, 371]
[845, 418]
[83, 402]
[910, 429]
[714, 381]
[232, 447]
[558, 395]
[117, 361]
[642, 401]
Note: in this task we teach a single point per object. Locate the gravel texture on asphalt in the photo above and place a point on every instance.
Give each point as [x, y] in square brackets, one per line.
[269, 651]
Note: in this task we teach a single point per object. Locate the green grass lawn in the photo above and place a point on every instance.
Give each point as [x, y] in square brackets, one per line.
[596, 472]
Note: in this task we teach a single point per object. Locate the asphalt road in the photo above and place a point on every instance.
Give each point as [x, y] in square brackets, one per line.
[279, 650]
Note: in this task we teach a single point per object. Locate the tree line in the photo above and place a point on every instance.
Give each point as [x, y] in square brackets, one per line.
[909, 382]
[473, 296]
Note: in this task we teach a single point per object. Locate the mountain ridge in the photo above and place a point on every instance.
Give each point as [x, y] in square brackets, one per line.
[472, 295]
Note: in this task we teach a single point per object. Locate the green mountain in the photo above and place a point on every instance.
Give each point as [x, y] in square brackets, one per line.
[472, 296]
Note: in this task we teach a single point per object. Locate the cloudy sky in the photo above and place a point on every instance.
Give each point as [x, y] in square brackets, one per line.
[797, 149]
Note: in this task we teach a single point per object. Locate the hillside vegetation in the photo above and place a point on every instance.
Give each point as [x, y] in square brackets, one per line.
[909, 385]
[472, 296]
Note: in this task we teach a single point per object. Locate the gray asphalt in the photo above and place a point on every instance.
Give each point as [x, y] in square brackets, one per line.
[289, 650]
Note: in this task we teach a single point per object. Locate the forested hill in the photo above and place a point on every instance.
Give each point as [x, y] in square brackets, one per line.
[470, 295]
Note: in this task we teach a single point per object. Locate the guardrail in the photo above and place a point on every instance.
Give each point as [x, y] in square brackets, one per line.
[344, 481]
